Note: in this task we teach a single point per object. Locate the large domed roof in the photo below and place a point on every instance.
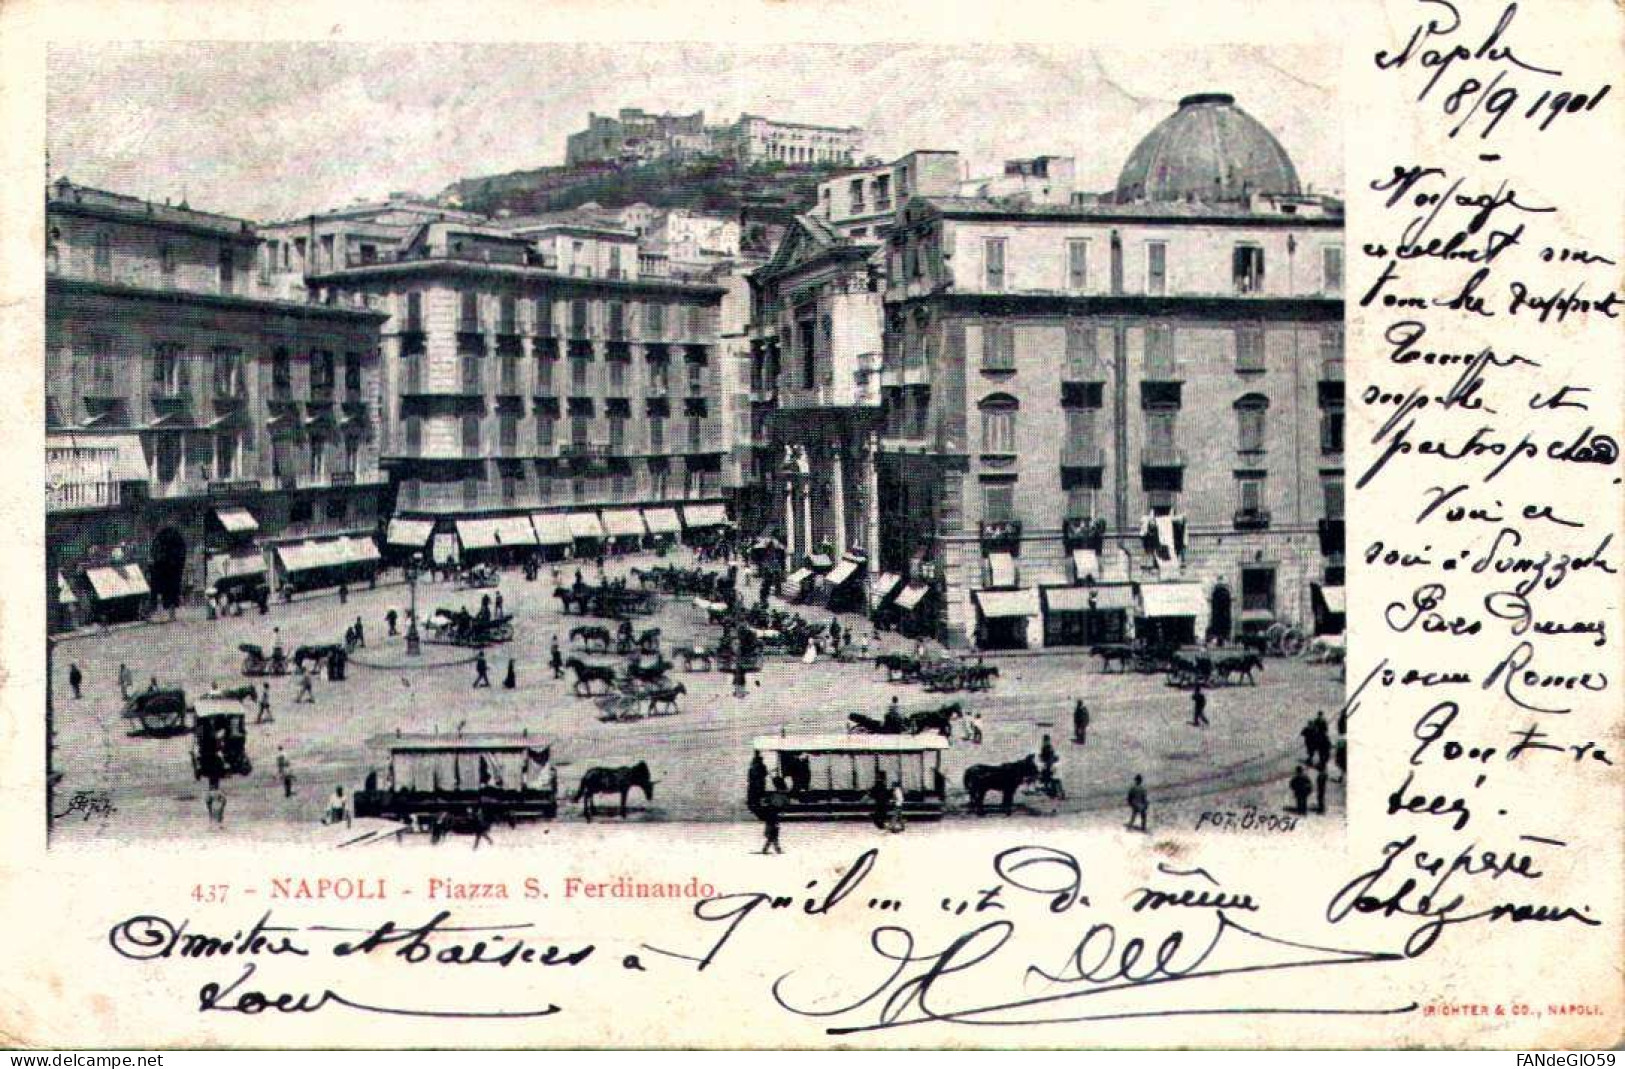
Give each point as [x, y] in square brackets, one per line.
[1208, 150]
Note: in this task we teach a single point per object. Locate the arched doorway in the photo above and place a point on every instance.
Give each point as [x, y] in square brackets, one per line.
[168, 566]
[1218, 619]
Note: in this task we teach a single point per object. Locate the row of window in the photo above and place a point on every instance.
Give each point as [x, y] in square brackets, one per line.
[999, 413]
[512, 488]
[180, 458]
[999, 348]
[102, 260]
[226, 369]
[582, 378]
[1246, 266]
[1084, 502]
[696, 432]
[475, 311]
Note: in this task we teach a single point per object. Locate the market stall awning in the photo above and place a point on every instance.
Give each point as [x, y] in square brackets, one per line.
[64, 591]
[798, 577]
[585, 525]
[514, 531]
[1001, 569]
[359, 549]
[129, 459]
[1171, 599]
[820, 562]
[552, 529]
[662, 521]
[414, 533]
[237, 520]
[477, 534]
[911, 596]
[1085, 564]
[704, 515]
[623, 523]
[1003, 603]
[228, 566]
[1336, 601]
[120, 581]
[306, 556]
[1087, 598]
[844, 571]
[886, 585]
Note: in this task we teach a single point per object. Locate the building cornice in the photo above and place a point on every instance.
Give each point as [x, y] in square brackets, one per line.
[441, 265]
[68, 285]
[1315, 309]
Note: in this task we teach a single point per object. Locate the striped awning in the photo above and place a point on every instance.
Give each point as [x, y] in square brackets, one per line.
[552, 529]
[623, 523]
[704, 515]
[477, 534]
[121, 581]
[798, 577]
[335, 553]
[662, 521]
[585, 525]
[237, 520]
[359, 549]
[1087, 598]
[413, 533]
[1003, 603]
[912, 595]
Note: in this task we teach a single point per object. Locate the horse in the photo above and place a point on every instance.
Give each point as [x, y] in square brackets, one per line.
[654, 672]
[1123, 656]
[593, 638]
[649, 640]
[568, 597]
[1241, 667]
[858, 724]
[692, 655]
[980, 676]
[613, 781]
[664, 700]
[588, 674]
[980, 779]
[316, 656]
[939, 720]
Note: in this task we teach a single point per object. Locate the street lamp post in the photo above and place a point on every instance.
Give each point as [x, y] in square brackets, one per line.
[414, 646]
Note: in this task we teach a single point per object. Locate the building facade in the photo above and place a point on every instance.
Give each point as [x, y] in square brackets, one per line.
[1124, 417]
[862, 204]
[754, 139]
[195, 428]
[638, 136]
[539, 392]
[360, 233]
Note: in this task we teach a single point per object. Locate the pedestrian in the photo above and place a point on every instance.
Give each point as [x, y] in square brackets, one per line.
[499, 605]
[863, 648]
[1080, 723]
[755, 781]
[894, 717]
[390, 618]
[739, 677]
[1300, 791]
[896, 824]
[1198, 708]
[555, 658]
[1342, 759]
[974, 732]
[880, 796]
[1320, 788]
[482, 677]
[360, 636]
[344, 593]
[1139, 806]
[1323, 739]
[76, 679]
[1309, 744]
[338, 809]
[770, 828]
[215, 802]
[264, 716]
[126, 679]
[835, 636]
[510, 681]
[1046, 764]
[307, 692]
[284, 772]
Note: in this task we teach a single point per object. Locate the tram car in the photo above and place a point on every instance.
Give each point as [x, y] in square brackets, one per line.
[430, 778]
[833, 777]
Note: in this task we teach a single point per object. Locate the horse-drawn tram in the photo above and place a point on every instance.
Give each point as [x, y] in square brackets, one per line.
[492, 776]
[835, 777]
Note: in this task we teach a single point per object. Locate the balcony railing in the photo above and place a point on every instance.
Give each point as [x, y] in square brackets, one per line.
[1001, 530]
[1252, 519]
[1082, 456]
[1162, 456]
[228, 487]
[81, 495]
[584, 449]
[178, 488]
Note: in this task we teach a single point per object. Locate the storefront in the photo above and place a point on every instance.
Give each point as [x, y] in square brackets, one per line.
[237, 577]
[624, 527]
[118, 592]
[1167, 614]
[587, 532]
[1086, 615]
[704, 522]
[407, 539]
[1008, 619]
[1330, 607]
[663, 526]
[501, 538]
[843, 584]
[552, 533]
[910, 609]
[313, 565]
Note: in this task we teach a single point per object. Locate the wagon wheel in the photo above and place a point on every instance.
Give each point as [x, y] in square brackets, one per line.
[1293, 642]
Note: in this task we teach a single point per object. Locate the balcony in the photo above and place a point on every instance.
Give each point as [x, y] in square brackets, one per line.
[178, 488]
[1084, 531]
[584, 450]
[322, 393]
[472, 381]
[1162, 456]
[1001, 531]
[1082, 456]
[470, 339]
[1254, 519]
[414, 340]
[508, 378]
[232, 487]
[62, 497]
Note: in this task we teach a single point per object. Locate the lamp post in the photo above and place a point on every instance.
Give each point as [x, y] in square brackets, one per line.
[414, 646]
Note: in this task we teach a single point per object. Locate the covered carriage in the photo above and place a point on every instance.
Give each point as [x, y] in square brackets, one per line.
[431, 777]
[834, 777]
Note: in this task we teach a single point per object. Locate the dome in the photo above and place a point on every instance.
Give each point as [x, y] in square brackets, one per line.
[1208, 150]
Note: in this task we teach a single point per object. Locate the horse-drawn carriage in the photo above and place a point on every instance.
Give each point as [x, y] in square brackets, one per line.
[220, 734]
[459, 627]
[256, 663]
[162, 712]
[436, 779]
[478, 577]
[840, 777]
[957, 675]
[614, 601]
[941, 720]
[1210, 666]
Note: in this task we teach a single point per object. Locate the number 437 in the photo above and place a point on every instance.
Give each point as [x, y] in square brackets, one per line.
[209, 892]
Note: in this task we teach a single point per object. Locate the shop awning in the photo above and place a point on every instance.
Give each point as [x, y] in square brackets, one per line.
[1257, 616]
[704, 515]
[414, 533]
[1085, 564]
[514, 531]
[237, 521]
[844, 571]
[359, 549]
[1004, 603]
[122, 581]
[798, 577]
[229, 566]
[911, 596]
[585, 525]
[64, 591]
[662, 521]
[1086, 598]
[820, 562]
[1001, 570]
[1336, 601]
[306, 556]
[1171, 599]
[623, 523]
[552, 529]
[477, 534]
[886, 585]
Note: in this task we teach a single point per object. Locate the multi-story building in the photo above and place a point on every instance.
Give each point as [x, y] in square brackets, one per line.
[635, 136]
[197, 431]
[1124, 415]
[862, 204]
[539, 390]
[1040, 180]
[360, 233]
[754, 139]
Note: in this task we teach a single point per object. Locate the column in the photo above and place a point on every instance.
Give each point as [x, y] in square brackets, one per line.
[806, 515]
[871, 513]
[837, 489]
[789, 517]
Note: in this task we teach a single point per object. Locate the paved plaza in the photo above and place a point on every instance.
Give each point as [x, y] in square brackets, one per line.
[698, 757]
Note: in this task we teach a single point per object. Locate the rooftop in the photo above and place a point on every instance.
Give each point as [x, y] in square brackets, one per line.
[64, 195]
[1208, 150]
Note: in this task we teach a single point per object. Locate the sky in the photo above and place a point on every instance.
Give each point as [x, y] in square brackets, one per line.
[277, 130]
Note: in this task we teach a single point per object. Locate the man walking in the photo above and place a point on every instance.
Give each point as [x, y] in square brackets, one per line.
[284, 772]
[1320, 788]
[511, 680]
[264, 716]
[556, 659]
[126, 678]
[1198, 708]
[307, 693]
[739, 678]
[1139, 806]
[390, 619]
[1300, 792]
[360, 635]
[1080, 723]
[482, 677]
[1047, 758]
[76, 679]
[770, 828]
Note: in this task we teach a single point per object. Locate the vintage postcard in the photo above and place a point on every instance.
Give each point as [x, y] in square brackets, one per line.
[806, 525]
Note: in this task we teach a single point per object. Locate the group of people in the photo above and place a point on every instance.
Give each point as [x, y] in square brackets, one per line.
[1319, 752]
